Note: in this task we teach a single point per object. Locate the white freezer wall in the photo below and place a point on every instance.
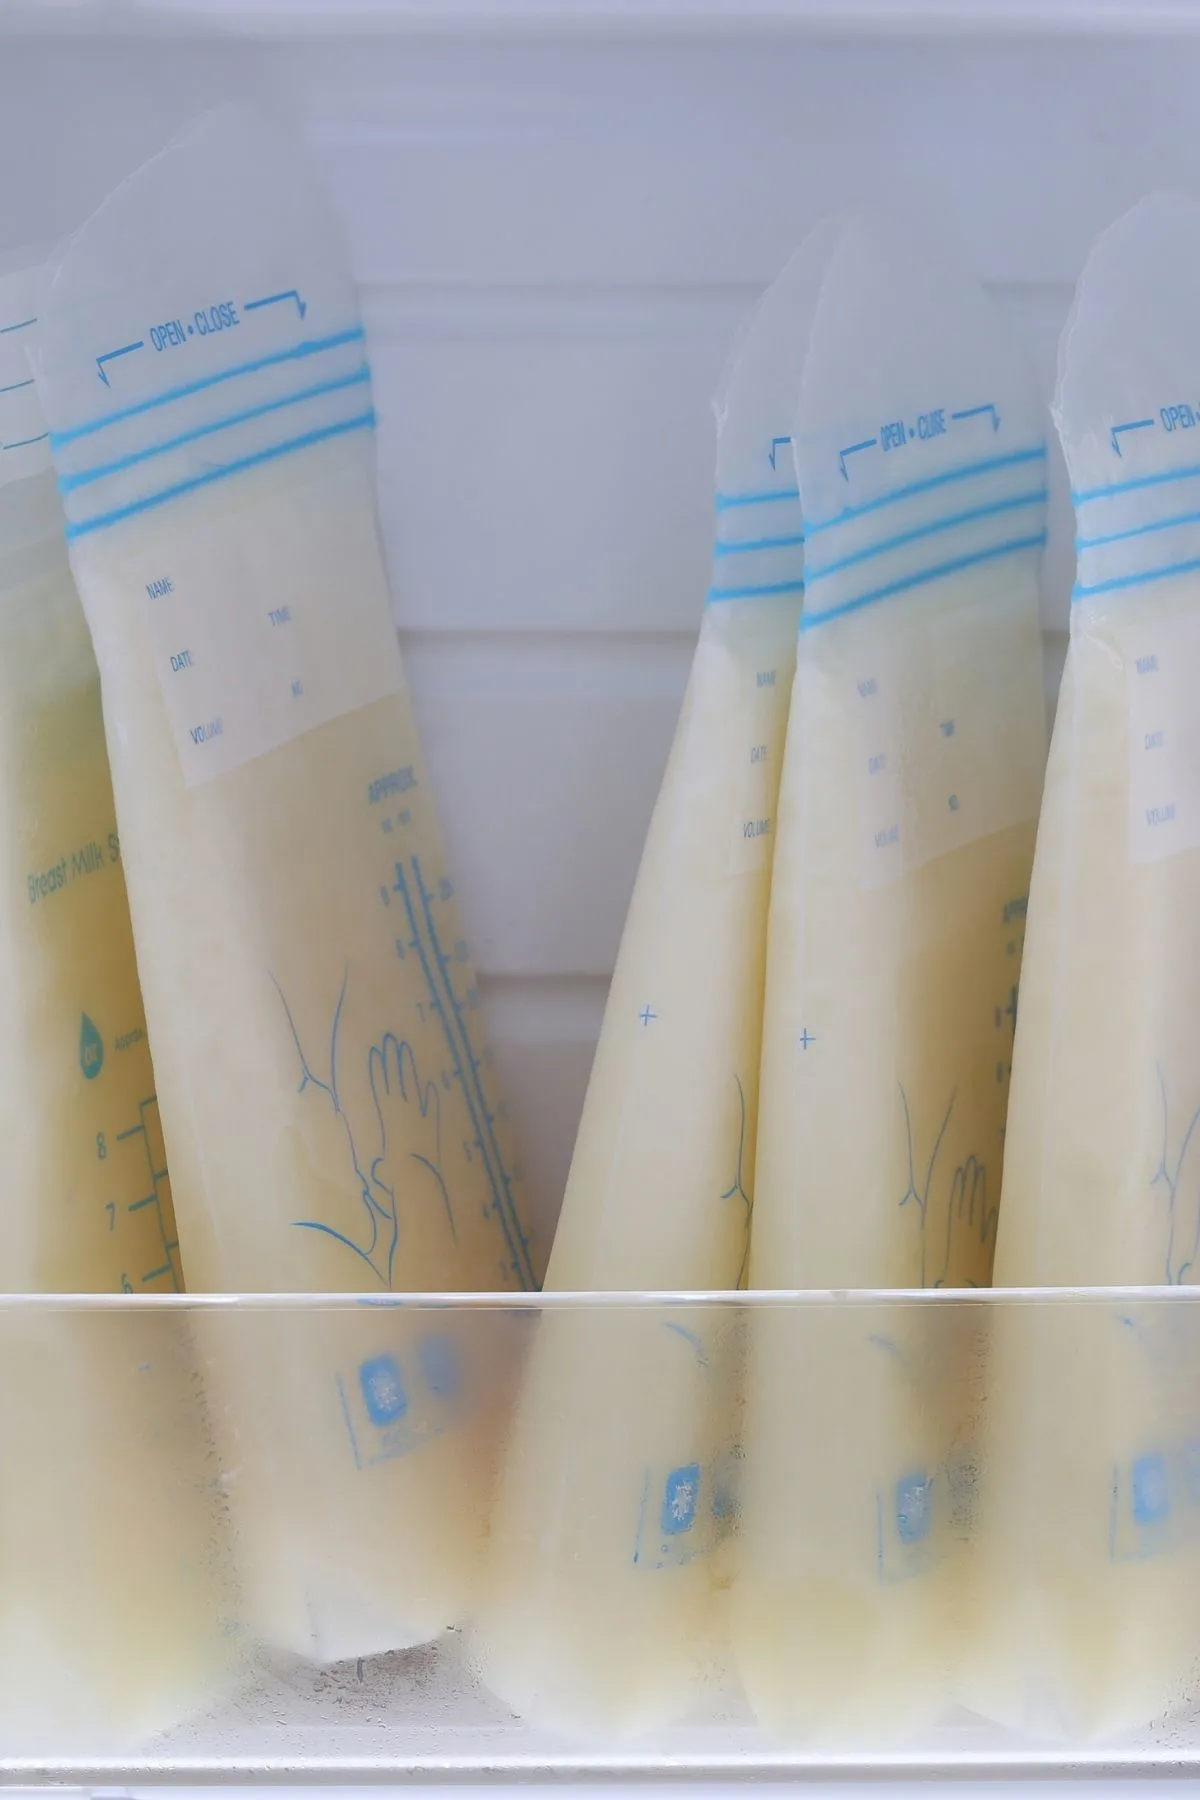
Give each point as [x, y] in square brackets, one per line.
[555, 238]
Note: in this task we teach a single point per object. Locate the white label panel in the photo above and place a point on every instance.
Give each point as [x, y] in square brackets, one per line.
[1162, 666]
[880, 792]
[760, 754]
[272, 621]
[949, 723]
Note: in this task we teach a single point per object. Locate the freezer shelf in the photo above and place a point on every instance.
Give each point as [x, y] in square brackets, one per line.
[376, 1538]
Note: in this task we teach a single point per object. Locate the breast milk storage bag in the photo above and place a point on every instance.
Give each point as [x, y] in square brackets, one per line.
[106, 1630]
[82, 1142]
[1097, 1593]
[906, 823]
[617, 1478]
[326, 1099]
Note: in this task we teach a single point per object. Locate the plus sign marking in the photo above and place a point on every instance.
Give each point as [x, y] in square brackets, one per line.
[806, 1038]
[646, 1017]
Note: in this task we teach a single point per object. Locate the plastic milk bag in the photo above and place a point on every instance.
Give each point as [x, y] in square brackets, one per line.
[110, 1620]
[90, 1205]
[906, 825]
[328, 1105]
[601, 1611]
[1101, 1176]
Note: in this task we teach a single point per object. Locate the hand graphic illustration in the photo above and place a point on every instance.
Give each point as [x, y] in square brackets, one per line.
[970, 1212]
[402, 1165]
[407, 1171]
[1181, 1179]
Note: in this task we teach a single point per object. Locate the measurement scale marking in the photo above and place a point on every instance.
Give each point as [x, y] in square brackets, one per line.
[524, 1271]
[498, 1182]
[169, 1245]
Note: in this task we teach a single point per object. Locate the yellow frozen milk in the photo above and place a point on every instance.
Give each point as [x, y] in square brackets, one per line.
[118, 1616]
[617, 1484]
[905, 835]
[111, 1601]
[78, 1114]
[1092, 1499]
[327, 1100]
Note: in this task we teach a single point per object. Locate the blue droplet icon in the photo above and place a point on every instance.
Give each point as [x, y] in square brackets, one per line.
[91, 1050]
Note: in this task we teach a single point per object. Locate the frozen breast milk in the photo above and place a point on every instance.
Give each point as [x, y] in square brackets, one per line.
[78, 1114]
[110, 1594]
[1100, 1184]
[328, 1104]
[118, 1614]
[906, 823]
[617, 1478]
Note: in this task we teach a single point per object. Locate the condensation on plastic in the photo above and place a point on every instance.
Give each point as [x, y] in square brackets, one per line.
[426, 1711]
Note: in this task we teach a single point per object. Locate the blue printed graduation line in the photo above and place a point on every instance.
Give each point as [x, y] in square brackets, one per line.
[725, 501]
[756, 593]
[1036, 497]
[21, 325]
[14, 386]
[296, 353]
[1133, 531]
[723, 547]
[809, 621]
[1084, 591]
[23, 443]
[967, 471]
[99, 521]
[435, 966]
[1085, 496]
[68, 483]
[455, 1023]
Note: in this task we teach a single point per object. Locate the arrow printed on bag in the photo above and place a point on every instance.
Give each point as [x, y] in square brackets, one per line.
[977, 412]
[275, 299]
[111, 355]
[1130, 425]
[851, 450]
